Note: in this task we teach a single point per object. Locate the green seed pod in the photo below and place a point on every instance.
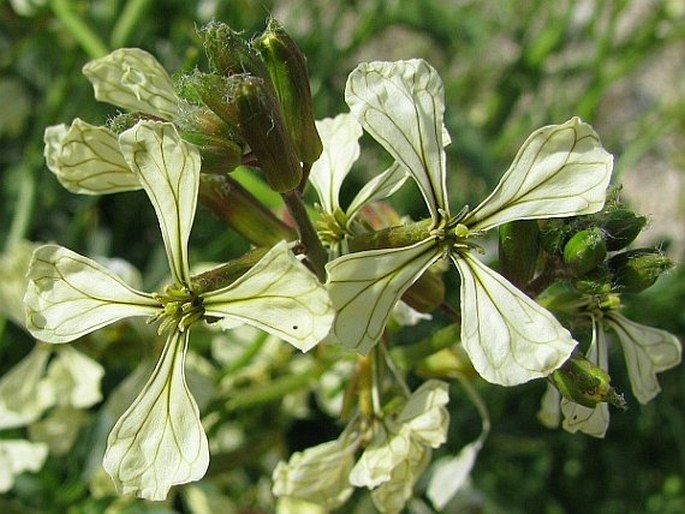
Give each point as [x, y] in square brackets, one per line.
[518, 250]
[583, 382]
[636, 270]
[621, 226]
[585, 251]
[287, 67]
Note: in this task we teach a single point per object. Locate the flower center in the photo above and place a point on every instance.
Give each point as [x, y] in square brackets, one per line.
[180, 309]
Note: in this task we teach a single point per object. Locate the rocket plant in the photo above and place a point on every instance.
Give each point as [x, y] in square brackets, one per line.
[327, 276]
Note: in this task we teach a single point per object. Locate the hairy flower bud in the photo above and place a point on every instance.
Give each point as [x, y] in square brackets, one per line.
[636, 270]
[518, 250]
[583, 382]
[621, 226]
[229, 53]
[585, 250]
[287, 67]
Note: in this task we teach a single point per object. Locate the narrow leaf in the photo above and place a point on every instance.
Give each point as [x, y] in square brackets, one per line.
[401, 104]
[365, 286]
[509, 338]
[159, 441]
[69, 296]
[278, 295]
[560, 171]
[169, 170]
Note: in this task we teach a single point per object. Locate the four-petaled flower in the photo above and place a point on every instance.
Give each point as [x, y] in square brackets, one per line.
[159, 441]
[560, 171]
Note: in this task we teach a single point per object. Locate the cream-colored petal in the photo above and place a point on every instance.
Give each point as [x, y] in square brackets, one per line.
[18, 456]
[76, 378]
[378, 188]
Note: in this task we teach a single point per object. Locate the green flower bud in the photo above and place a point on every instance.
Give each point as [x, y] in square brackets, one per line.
[287, 67]
[585, 250]
[636, 270]
[597, 281]
[229, 53]
[583, 382]
[518, 250]
[621, 226]
[553, 235]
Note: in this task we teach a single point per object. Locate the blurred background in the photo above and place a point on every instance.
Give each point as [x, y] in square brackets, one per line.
[509, 67]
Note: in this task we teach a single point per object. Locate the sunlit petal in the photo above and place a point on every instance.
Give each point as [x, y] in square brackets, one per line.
[340, 137]
[69, 296]
[647, 351]
[401, 104]
[509, 338]
[87, 160]
[278, 295]
[561, 170]
[169, 170]
[379, 187]
[133, 79]
[365, 286]
[159, 441]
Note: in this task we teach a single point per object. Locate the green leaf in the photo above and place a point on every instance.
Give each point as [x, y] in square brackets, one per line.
[278, 295]
[134, 80]
[69, 296]
[509, 338]
[87, 160]
[559, 171]
[168, 168]
[159, 441]
[647, 351]
[365, 286]
[401, 104]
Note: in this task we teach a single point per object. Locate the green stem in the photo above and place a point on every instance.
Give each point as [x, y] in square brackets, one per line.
[318, 257]
[132, 13]
[87, 38]
[24, 205]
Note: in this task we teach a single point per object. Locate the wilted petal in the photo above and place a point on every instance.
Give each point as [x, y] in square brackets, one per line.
[87, 160]
[425, 413]
[379, 187]
[18, 456]
[24, 394]
[340, 137]
[169, 170]
[509, 338]
[386, 452]
[69, 296]
[365, 286]
[133, 79]
[76, 378]
[560, 171]
[278, 295]
[159, 441]
[647, 351]
[401, 104]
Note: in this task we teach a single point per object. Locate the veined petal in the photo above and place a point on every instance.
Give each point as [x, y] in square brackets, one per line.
[69, 296]
[87, 160]
[401, 104]
[379, 187]
[647, 351]
[169, 170]
[340, 138]
[561, 170]
[386, 451]
[509, 338]
[159, 441]
[278, 295]
[425, 413]
[365, 286]
[133, 79]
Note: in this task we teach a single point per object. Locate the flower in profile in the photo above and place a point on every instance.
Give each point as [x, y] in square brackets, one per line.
[560, 171]
[159, 441]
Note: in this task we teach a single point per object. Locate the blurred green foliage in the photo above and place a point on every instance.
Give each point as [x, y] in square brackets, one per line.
[509, 67]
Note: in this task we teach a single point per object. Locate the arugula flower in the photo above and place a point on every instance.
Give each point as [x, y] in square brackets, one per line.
[159, 441]
[560, 171]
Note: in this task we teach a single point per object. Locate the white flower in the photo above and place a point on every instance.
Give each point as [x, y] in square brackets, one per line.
[560, 171]
[69, 296]
[18, 456]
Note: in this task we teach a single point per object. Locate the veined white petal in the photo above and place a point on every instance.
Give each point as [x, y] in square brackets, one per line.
[133, 79]
[647, 351]
[365, 286]
[69, 296]
[340, 138]
[561, 170]
[159, 441]
[401, 104]
[425, 413]
[509, 338]
[278, 295]
[169, 170]
[87, 160]
[386, 451]
[379, 187]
